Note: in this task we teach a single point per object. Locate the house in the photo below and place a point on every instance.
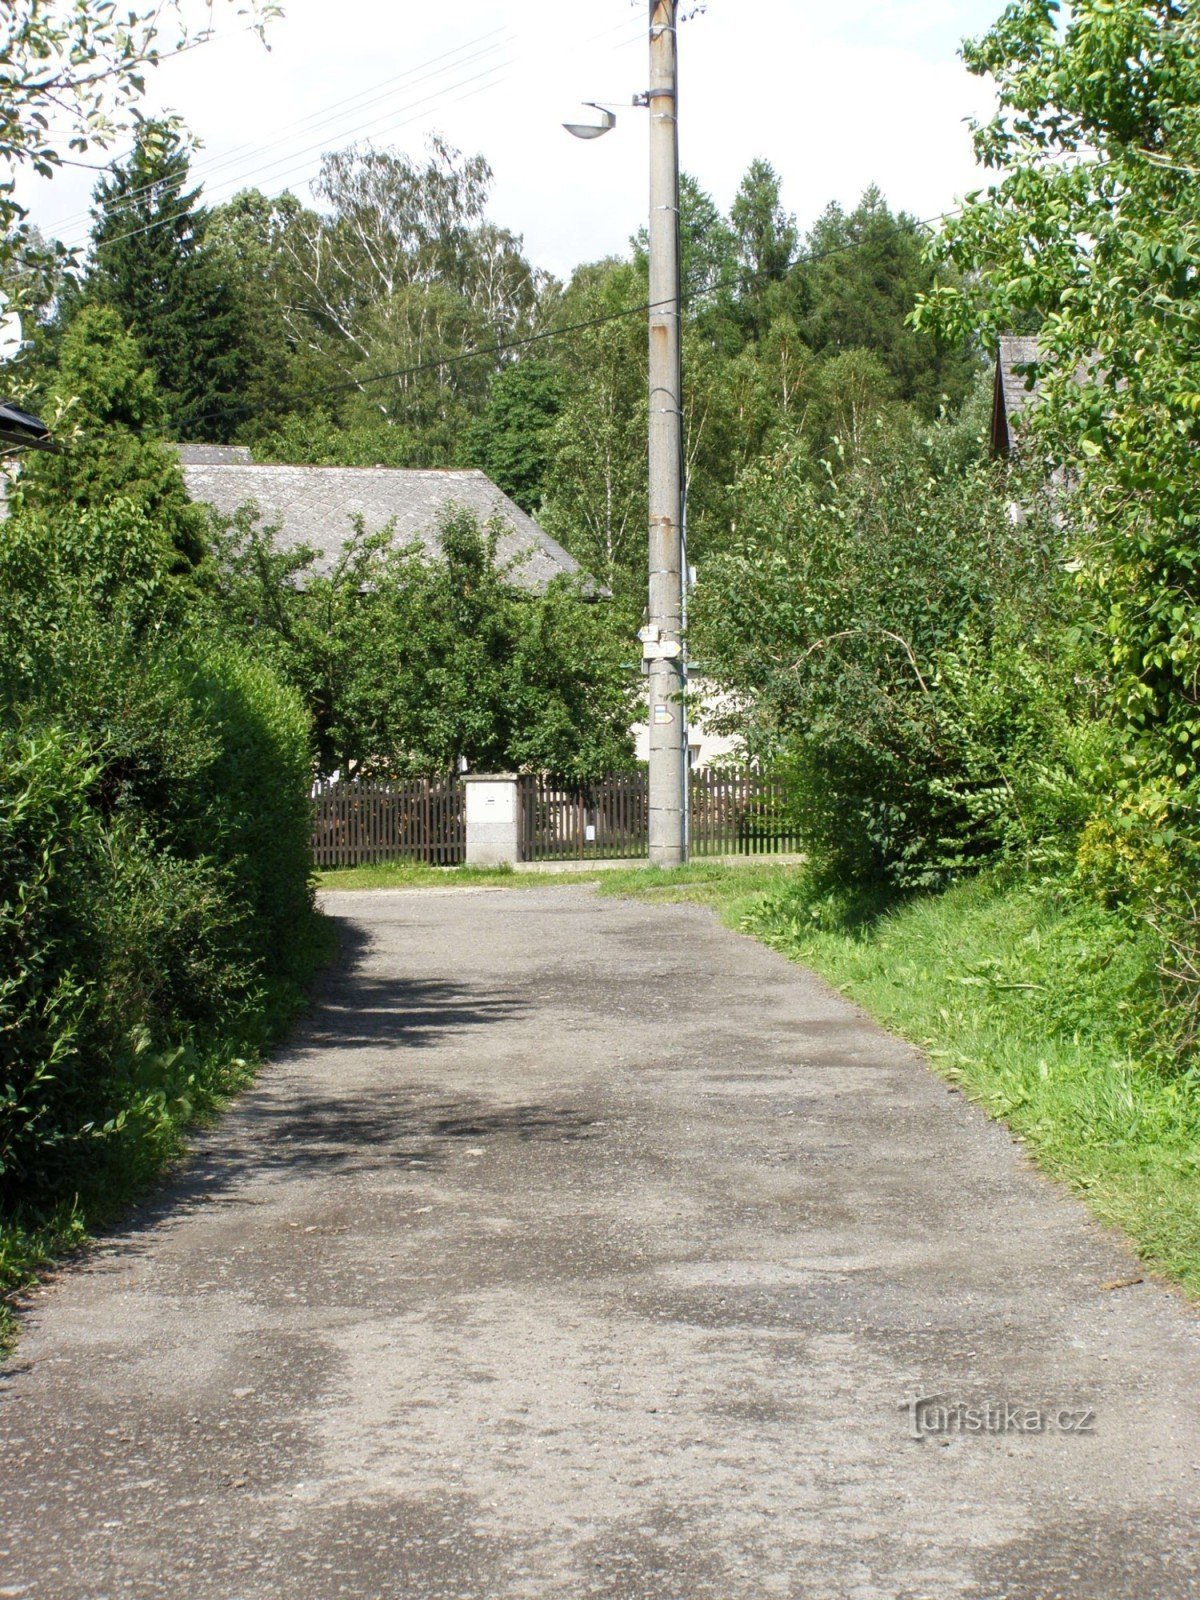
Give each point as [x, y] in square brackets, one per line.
[1013, 392]
[317, 507]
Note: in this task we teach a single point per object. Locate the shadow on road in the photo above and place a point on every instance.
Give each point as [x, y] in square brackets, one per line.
[355, 1009]
[352, 1121]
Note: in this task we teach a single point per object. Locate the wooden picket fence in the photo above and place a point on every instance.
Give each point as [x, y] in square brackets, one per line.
[362, 823]
[609, 819]
[740, 814]
[419, 819]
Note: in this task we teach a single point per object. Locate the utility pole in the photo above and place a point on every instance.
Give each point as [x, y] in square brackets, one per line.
[662, 638]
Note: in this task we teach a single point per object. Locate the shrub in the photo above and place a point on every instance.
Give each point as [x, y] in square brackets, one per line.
[903, 648]
[155, 906]
[254, 805]
[113, 951]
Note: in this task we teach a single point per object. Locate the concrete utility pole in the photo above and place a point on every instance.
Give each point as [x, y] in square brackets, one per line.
[662, 638]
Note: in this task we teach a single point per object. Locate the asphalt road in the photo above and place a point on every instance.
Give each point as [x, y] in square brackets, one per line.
[581, 1248]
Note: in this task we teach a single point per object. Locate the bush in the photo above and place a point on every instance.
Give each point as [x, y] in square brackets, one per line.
[156, 918]
[903, 649]
[114, 952]
[255, 803]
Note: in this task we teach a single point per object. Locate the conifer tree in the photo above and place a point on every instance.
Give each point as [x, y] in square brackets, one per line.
[152, 264]
[110, 421]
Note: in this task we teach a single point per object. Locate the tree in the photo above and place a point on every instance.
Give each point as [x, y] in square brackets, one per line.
[511, 439]
[246, 238]
[72, 74]
[1088, 231]
[410, 663]
[865, 274]
[765, 234]
[893, 641]
[707, 249]
[401, 271]
[111, 421]
[596, 489]
[151, 263]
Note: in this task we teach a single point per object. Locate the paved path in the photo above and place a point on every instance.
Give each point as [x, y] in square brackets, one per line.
[580, 1248]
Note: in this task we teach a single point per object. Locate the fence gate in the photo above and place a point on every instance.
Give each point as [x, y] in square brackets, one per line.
[739, 814]
[605, 820]
[420, 819]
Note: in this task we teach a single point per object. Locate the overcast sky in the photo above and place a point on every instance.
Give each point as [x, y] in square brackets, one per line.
[837, 96]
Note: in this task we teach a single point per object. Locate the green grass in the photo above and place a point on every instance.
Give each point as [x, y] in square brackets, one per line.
[686, 883]
[415, 875]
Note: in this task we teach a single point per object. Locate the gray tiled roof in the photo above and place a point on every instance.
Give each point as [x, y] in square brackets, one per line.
[214, 455]
[315, 506]
[1012, 397]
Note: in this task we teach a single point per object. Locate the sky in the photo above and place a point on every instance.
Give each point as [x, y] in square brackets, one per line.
[836, 96]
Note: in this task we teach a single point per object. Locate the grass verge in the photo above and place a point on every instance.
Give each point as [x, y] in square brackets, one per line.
[699, 881]
[415, 875]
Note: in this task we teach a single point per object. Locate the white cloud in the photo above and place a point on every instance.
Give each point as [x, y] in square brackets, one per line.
[835, 99]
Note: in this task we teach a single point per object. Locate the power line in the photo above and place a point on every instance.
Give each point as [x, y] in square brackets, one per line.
[496, 74]
[479, 45]
[472, 50]
[504, 347]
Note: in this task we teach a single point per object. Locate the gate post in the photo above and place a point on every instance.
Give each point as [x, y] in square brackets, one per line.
[493, 819]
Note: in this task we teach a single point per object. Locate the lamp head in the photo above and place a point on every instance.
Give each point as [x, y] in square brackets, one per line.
[593, 130]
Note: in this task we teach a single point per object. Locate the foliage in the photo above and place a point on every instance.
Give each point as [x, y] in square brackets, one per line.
[246, 240]
[866, 270]
[152, 264]
[155, 913]
[110, 421]
[893, 639]
[401, 268]
[510, 439]
[411, 662]
[596, 491]
[1089, 232]
[72, 74]
[344, 334]
[766, 240]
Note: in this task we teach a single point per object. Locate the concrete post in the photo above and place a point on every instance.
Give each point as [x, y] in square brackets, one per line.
[662, 638]
[493, 819]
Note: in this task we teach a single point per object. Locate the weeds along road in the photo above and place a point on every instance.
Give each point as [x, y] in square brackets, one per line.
[579, 1247]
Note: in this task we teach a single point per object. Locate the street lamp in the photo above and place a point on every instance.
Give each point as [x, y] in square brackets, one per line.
[662, 638]
[593, 130]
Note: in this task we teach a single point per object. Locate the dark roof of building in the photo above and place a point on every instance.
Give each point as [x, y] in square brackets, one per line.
[1013, 390]
[317, 507]
[21, 429]
[214, 455]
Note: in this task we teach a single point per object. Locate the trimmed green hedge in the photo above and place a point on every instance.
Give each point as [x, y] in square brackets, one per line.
[156, 916]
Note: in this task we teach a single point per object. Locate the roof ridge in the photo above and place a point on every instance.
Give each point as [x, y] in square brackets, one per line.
[328, 466]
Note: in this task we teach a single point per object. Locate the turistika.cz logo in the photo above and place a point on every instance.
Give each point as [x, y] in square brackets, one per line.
[936, 1416]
